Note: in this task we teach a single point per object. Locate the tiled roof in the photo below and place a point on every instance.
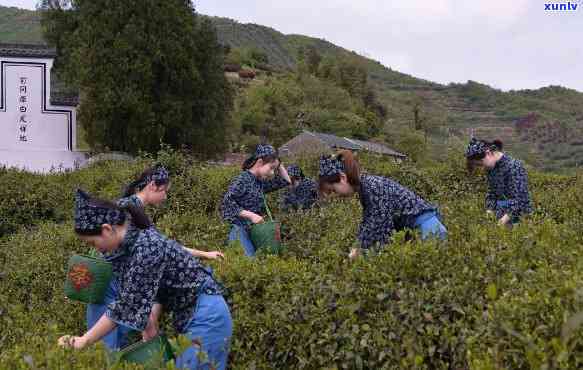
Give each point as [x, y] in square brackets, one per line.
[335, 141]
[338, 142]
[377, 148]
[27, 51]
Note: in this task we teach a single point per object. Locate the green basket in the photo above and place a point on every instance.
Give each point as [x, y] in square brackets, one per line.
[152, 354]
[87, 278]
[266, 236]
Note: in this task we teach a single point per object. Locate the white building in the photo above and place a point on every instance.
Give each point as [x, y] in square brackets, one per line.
[37, 126]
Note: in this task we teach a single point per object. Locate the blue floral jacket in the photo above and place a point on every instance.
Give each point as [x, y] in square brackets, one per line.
[303, 196]
[151, 268]
[246, 193]
[508, 182]
[386, 206]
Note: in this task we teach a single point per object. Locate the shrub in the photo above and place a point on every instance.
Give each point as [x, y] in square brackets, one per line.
[29, 198]
[488, 298]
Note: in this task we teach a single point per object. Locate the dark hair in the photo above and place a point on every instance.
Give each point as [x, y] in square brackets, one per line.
[139, 183]
[250, 162]
[495, 145]
[473, 161]
[472, 164]
[351, 170]
[138, 217]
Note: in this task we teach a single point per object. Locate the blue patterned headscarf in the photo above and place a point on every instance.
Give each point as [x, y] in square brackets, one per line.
[264, 150]
[293, 170]
[89, 216]
[330, 165]
[261, 150]
[159, 175]
[476, 147]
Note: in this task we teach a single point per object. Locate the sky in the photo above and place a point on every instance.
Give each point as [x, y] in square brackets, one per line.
[509, 45]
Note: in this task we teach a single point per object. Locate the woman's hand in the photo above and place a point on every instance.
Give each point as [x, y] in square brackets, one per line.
[504, 220]
[151, 330]
[152, 326]
[283, 173]
[354, 253]
[213, 255]
[69, 341]
[255, 218]
[101, 328]
[251, 216]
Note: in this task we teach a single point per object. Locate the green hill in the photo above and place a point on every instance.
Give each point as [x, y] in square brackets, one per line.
[542, 126]
[19, 25]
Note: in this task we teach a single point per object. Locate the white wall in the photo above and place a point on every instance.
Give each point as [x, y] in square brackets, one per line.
[28, 122]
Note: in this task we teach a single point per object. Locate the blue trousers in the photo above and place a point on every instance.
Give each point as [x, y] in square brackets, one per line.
[240, 233]
[118, 337]
[430, 225]
[210, 331]
[504, 203]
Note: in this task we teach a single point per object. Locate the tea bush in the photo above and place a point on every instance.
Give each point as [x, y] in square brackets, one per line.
[29, 198]
[489, 298]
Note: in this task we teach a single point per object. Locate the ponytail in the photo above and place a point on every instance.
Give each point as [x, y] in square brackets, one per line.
[494, 146]
[139, 217]
[498, 145]
[248, 163]
[130, 189]
[150, 174]
[351, 167]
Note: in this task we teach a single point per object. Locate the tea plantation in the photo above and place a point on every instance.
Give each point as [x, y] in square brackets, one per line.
[489, 298]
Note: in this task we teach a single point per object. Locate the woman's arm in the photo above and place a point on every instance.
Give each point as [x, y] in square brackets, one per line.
[103, 326]
[251, 216]
[283, 173]
[280, 181]
[212, 255]
[153, 322]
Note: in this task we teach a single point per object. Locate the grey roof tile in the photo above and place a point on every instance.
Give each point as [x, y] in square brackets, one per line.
[335, 141]
[377, 148]
[27, 51]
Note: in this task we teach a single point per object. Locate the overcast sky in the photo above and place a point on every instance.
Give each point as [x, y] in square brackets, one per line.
[506, 44]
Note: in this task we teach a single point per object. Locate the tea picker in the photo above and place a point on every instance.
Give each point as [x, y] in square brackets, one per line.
[302, 193]
[508, 197]
[244, 205]
[150, 188]
[387, 206]
[150, 268]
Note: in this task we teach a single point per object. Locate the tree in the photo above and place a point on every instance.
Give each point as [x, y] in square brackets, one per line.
[251, 57]
[311, 57]
[413, 144]
[353, 76]
[268, 110]
[258, 56]
[148, 71]
[427, 116]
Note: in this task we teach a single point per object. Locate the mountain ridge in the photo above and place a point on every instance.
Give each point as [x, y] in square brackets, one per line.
[554, 113]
